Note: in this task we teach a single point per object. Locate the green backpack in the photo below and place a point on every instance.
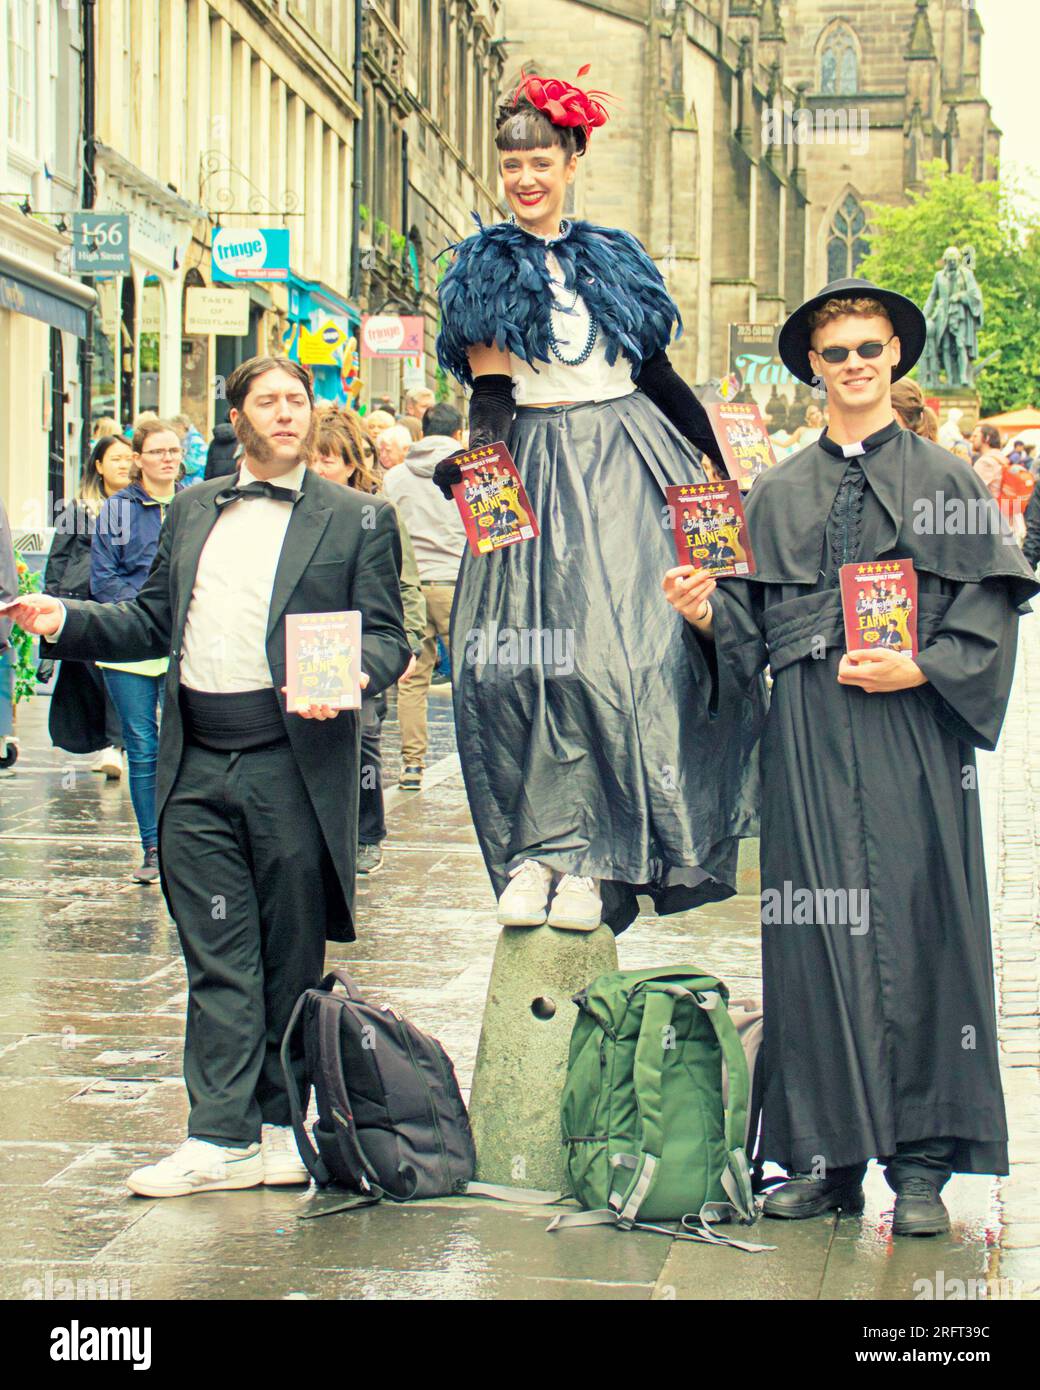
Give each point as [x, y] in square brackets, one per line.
[646, 1133]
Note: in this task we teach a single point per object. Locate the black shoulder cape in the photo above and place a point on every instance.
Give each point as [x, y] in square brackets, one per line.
[915, 481]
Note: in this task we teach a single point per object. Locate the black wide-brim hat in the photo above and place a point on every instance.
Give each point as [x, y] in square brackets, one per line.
[907, 321]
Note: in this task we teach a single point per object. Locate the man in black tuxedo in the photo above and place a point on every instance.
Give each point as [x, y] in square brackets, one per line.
[257, 807]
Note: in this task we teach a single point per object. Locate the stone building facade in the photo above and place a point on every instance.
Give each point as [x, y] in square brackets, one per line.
[748, 135]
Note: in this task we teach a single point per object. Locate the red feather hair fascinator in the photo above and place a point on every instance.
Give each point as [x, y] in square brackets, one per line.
[562, 102]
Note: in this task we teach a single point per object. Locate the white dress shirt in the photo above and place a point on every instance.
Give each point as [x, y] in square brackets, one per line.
[225, 634]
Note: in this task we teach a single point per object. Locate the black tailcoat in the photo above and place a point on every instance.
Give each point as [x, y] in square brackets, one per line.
[342, 550]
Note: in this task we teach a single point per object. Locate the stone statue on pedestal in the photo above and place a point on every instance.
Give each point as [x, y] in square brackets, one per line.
[954, 315]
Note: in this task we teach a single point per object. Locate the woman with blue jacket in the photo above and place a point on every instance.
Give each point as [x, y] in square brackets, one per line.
[124, 545]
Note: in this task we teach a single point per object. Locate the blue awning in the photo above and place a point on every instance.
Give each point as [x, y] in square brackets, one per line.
[308, 297]
[41, 294]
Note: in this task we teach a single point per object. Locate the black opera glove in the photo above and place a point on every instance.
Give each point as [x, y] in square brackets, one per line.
[490, 415]
[674, 399]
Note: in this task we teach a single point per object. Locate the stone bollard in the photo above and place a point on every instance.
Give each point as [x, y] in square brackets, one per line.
[522, 1057]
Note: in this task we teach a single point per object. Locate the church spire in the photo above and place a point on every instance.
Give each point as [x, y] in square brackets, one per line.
[922, 45]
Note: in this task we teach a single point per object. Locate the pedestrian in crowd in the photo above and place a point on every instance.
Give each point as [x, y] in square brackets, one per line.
[950, 433]
[881, 969]
[194, 447]
[8, 591]
[1031, 540]
[393, 444]
[411, 424]
[1017, 452]
[962, 450]
[224, 452]
[912, 412]
[83, 717]
[375, 422]
[122, 549]
[990, 468]
[104, 427]
[338, 455]
[561, 328]
[984, 439]
[417, 401]
[258, 817]
[439, 537]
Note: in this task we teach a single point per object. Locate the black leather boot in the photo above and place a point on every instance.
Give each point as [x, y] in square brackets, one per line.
[919, 1211]
[803, 1195]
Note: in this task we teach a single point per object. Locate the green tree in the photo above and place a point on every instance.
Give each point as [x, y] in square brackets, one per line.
[998, 220]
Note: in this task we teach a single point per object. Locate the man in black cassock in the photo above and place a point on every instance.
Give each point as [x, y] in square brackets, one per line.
[258, 808]
[880, 1029]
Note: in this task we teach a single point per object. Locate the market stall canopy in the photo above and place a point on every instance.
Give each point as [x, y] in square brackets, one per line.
[1024, 419]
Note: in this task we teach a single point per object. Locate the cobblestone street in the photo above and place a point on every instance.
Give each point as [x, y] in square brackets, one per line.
[90, 1050]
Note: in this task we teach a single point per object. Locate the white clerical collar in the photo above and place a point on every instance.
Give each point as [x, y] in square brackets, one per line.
[293, 479]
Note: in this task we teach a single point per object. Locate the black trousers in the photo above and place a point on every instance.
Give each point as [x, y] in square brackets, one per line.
[246, 869]
[931, 1159]
[371, 817]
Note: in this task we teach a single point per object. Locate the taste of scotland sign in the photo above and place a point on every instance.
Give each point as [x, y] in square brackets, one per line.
[216, 311]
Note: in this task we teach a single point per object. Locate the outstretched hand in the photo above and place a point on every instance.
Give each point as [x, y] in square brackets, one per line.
[39, 614]
[447, 473]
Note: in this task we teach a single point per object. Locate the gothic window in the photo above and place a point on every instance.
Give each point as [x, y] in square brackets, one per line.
[847, 243]
[839, 62]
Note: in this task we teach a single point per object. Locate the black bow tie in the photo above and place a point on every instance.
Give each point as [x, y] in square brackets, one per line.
[258, 489]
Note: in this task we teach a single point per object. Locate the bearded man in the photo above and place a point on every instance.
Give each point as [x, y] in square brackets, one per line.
[257, 807]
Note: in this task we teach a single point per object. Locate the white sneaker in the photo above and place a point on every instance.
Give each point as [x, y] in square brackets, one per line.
[576, 904]
[110, 762]
[199, 1167]
[524, 900]
[283, 1165]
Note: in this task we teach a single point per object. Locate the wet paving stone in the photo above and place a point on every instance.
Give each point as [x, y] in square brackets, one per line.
[91, 1021]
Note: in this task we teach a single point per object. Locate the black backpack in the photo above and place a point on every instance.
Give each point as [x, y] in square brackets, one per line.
[391, 1120]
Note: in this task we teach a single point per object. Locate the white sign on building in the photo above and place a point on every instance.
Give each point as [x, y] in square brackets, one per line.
[216, 311]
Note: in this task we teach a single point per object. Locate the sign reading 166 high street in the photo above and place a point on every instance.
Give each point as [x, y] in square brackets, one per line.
[101, 243]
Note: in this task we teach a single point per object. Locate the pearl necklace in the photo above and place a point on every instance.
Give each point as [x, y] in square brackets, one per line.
[590, 339]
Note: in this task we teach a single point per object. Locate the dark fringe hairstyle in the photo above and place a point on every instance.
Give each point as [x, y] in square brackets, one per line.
[524, 127]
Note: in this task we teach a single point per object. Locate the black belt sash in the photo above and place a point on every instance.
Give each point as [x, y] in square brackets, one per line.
[232, 723]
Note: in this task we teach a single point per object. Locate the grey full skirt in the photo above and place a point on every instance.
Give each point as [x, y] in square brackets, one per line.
[591, 737]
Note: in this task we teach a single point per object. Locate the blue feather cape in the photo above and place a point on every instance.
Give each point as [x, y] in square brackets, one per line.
[497, 290]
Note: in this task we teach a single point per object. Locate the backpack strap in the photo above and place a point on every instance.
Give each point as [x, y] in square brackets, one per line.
[335, 977]
[736, 1178]
[311, 1157]
[331, 1063]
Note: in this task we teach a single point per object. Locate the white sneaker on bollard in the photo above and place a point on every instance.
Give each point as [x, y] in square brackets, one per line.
[524, 900]
[576, 904]
[199, 1167]
[283, 1166]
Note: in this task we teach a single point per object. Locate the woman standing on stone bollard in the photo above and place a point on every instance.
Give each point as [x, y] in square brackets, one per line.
[605, 761]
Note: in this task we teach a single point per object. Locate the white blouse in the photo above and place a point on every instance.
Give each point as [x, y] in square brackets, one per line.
[593, 379]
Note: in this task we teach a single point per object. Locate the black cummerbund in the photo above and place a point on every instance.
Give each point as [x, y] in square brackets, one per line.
[230, 723]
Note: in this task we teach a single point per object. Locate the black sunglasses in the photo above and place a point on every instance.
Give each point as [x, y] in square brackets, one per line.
[865, 350]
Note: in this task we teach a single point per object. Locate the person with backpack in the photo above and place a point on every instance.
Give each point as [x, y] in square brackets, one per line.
[880, 1025]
